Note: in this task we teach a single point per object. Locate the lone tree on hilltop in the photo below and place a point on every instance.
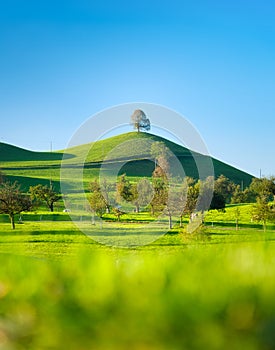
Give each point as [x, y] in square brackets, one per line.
[13, 201]
[140, 121]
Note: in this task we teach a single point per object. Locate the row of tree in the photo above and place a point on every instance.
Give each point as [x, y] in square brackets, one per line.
[14, 201]
[161, 194]
[185, 199]
[158, 194]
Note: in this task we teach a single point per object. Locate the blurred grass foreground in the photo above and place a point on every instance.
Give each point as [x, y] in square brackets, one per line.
[217, 298]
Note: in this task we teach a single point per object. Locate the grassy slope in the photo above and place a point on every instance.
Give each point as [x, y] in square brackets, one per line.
[34, 167]
[10, 153]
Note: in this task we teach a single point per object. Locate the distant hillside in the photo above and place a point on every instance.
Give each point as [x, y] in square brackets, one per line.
[100, 150]
[9, 153]
[131, 148]
[137, 151]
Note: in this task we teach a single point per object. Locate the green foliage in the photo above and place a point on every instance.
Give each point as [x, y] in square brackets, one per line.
[124, 189]
[193, 191]
[262, 211]
[45, 194]
[199, 299]
[13, 201]
[97, 201]
[145, 192]
[160, 187]
[217, 202]
[118, 212]
[224, 187]
[264, 187]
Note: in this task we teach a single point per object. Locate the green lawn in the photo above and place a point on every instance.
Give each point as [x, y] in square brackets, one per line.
[210, 290]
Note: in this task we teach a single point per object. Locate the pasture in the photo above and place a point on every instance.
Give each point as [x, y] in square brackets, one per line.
[61, 289]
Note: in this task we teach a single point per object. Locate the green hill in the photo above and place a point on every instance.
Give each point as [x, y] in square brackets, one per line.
[10, 153]
[125, 147]
[131, 148]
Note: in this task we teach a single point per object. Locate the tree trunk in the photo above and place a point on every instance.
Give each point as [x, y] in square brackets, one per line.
[170, 222]
[51, 207]
[12, 221]
[137, 208]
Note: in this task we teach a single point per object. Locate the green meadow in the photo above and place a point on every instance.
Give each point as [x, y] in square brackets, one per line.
[62, 289]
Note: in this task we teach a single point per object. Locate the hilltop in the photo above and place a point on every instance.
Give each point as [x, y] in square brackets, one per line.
[133, 148]
[137, 151]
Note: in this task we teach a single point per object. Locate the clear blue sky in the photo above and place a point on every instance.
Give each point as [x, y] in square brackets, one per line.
[212, 61]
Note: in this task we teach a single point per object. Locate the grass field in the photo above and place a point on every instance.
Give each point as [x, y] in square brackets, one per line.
[61, 289]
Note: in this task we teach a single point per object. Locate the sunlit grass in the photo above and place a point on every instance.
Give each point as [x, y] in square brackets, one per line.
[202, 298]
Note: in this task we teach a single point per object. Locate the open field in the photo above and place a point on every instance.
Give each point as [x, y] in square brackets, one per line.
[60, 289]
[45, 234]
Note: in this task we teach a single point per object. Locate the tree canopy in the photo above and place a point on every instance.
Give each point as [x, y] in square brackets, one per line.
[45, 194]
[140, 121]
[13, 201]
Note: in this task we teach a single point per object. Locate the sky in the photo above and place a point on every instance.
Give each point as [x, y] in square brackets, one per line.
[211, 61]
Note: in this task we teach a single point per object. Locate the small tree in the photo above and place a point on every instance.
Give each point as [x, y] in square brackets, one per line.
[140, 121]
[238, 195]
[263, 187]
[224, 187]
[145, 192]
[160, 186]
[237, 214]
[175, 203]
[45, 194]
[217, 202]
[262, 211]
[118, 213]
[159, 152]
[13, 201]
[96, 199]
[206, 194]
[124, 189]
[106, 189]
[193, 191]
